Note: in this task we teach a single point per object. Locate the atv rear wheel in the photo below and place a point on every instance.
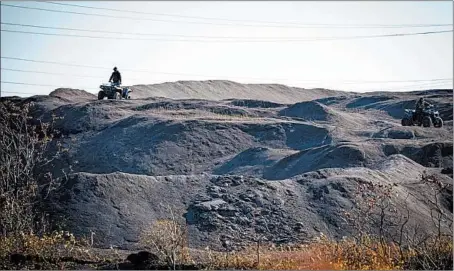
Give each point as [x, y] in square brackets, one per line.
[438, 123]
[406, 122]
[426, 121]
[101, 95]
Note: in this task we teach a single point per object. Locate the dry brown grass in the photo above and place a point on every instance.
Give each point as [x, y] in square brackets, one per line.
[368, 254]
[61, 250]
[57, 250]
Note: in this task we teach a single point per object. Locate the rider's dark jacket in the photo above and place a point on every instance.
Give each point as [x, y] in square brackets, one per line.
[421, 105]
[115, 77]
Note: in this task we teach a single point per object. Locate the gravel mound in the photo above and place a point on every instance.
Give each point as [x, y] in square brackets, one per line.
[118, 206]
[73, 95]
[222, 90]
[236, 160]
[365, 101]
[339, 156]
[308, 111]
[252, 161]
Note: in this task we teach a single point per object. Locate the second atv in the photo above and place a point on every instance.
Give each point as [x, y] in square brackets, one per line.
[112, 91]
[429, 117]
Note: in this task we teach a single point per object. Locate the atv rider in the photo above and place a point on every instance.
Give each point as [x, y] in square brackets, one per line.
[421, 104]
[115, 78]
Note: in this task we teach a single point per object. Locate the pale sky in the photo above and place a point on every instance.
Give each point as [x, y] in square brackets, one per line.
[335, 64]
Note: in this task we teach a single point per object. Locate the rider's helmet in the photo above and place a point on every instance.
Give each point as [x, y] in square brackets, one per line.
[115, 68]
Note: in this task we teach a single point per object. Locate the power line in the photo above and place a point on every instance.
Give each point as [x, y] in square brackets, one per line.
[188, 22]
[408, 87]
[186, 74]
[28, 84]
[55, 73]
[97, 15]
[403, 88]
[408, 81]
[94, 67]
[53, 62]
[19, 92]
[249, 21]
[50, 73]
[97, 37]
[124, 33]
[245, 39]
[32, 84]
[340, 82]
[239, 41]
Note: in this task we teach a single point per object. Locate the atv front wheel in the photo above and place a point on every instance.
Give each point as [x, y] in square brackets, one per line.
[117, 96]
[438, 123]
[101, 95]
[426, 121]
[406, 122]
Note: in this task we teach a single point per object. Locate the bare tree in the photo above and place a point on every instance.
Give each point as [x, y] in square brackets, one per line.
[377, 216]
[23, 142]
[168, 238]
[435, 251]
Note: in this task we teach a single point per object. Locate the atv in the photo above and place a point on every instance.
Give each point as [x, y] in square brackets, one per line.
[112, 91]
[428, 118]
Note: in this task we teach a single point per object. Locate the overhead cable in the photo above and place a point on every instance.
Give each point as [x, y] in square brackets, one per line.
[232, 41]
[194, 22]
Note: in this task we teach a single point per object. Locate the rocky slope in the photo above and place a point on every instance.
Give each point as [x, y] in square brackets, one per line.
[117, 206]
[237, 160]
